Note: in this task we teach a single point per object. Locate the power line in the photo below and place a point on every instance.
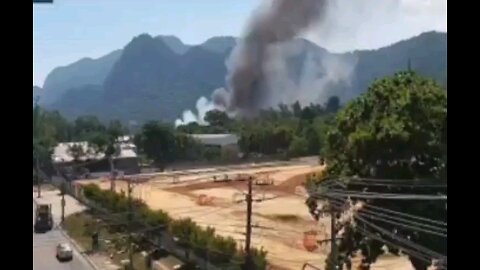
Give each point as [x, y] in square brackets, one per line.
[339, 203]
[392, 184]
[414, 253]
[403, 220]
[417, 228]
[404, 241]
[405, 214]
[393, 181]
[378, 195]
[392, 212]
[339, 199]
[414, 228]
[411, 252]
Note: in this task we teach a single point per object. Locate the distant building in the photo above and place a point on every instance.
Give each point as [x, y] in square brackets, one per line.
[126, 161]
[226, 143]
[216, 140]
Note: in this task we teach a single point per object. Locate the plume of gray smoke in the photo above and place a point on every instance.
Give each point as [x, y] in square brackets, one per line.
[321, 75]
[259, 74]
[277, 21]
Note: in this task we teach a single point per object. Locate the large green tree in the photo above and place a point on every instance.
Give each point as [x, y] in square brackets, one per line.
[396, 130]
[217, 118]
[186, 148]
[84, 126]
[157, 141]
[49, 128]
[333, 104]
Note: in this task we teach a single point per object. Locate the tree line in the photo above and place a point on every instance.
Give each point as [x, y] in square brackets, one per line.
[285, 132]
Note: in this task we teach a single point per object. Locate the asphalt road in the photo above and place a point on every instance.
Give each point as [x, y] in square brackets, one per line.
[44, 245]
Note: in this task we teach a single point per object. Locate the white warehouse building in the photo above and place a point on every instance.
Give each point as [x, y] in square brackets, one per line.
[227, 143]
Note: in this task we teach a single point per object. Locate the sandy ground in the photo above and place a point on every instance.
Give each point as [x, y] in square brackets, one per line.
[279, 221]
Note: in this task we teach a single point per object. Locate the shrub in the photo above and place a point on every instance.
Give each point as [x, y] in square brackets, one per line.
[221, 250]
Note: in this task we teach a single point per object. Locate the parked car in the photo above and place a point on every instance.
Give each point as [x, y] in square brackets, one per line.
[64, 252]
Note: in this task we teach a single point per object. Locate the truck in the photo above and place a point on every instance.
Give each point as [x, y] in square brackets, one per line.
[43, 218]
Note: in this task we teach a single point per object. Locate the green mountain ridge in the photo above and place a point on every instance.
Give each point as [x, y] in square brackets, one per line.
[83, 72]
[159, 77]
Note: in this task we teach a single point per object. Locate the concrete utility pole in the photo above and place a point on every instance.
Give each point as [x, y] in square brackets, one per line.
[248, 256]
[333, 238]
[130, 219]
[333, 231]
[63, 187]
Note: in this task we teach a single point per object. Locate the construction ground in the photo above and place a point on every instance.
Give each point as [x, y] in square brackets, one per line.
[280, 217]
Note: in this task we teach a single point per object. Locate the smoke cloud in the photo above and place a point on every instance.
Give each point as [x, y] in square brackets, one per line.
[320, 75]
[203, 106]
[260, 67]
[372, 24]
[276, 21]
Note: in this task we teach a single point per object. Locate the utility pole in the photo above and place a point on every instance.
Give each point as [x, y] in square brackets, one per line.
[63, 187]
[113, 174]
[333, 231]
[129, 225]
[35, 134]
[249, 265]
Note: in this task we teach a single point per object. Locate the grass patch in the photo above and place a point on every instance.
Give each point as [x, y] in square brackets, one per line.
[75, 225]
[79, 226]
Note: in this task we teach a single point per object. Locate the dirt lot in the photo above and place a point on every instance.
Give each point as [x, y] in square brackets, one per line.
[279, 220]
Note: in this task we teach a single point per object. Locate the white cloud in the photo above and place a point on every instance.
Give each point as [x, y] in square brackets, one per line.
[370, 24]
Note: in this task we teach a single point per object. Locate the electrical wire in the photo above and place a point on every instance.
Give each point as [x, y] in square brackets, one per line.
[432, 254]
[414, 228]
[405, 214]
[399, 239]
[408, 251]
[366, 207]
[379, 195]
[403, 220]
[392, 184]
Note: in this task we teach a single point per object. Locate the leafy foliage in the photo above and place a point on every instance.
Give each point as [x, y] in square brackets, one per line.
[221, 250]
[85, 125]
[298, 147]
[294, 131]
[158, 142]
[396, 130]
[76, 151]
[217, 118]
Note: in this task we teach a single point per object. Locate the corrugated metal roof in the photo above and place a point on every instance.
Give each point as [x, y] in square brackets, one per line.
[216, 139]
[61, 152]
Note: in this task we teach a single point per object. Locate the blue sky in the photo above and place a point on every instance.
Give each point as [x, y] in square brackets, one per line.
[69, 30]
